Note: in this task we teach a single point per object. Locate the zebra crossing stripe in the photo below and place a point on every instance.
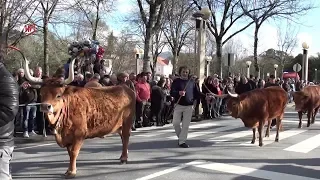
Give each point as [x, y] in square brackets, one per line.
[229, 137]
[306, 145]
[160, 132]
[251, 172]
[282, 135]
[202, 133]
[228, 168]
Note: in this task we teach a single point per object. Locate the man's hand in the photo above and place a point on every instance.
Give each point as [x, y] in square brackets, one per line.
[182, 93]
[25, 85]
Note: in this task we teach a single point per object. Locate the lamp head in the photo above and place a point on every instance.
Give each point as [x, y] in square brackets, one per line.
[206, 13]
[305, 45]
[275, 66]
[248, 63]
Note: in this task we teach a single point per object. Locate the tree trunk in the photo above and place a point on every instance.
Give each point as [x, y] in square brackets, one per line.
[219, 55]
[147, 48]
[281, 73]
[45, 44]
[255, 50]
[174, 61]
[94, 35]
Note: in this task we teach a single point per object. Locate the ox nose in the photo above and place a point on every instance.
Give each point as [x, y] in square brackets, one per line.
[46, 108]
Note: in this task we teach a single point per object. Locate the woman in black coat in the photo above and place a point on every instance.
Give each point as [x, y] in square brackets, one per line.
[158, 98]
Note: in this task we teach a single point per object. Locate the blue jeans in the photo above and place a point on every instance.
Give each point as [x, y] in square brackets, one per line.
[29, 116]
[5, 158]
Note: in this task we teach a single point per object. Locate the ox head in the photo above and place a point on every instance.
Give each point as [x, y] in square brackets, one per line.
[52, 91]
[234, 105]
[300, 99]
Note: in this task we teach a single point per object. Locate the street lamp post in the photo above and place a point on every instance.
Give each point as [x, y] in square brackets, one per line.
[275, 70]
[248, 63]
[139, 53]
[316, 75]
[305, 63]
[208, 59]
[201, 18]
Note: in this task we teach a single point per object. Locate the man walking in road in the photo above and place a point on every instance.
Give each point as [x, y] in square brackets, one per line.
[9, 105]
[184, 92]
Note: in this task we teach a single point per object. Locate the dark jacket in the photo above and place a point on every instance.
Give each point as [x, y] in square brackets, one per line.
[9, 105]
[242, 88]
[189, 86]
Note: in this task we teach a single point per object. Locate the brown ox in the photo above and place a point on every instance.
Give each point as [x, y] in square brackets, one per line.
[307, 100]
[257, 107]
[78, 113]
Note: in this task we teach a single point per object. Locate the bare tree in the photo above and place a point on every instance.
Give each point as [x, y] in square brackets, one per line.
[47, 9]
[157, 48]
[177, 27]
[125, 61]
[91, 9]
[286, 42]
[261, 10]
[13, 15]
[152, 25]
[230, 15]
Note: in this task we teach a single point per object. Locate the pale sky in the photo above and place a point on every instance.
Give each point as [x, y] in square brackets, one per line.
[308, 32]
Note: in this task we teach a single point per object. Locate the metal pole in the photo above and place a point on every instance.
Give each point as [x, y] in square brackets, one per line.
[201, 53]
[296, 74]
[248, 71]
[305, 54]
[137, 64]
[275, 72]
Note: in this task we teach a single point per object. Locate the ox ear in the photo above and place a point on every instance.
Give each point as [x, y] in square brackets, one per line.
[70, 89]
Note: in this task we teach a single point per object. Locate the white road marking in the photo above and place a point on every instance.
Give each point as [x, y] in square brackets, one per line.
[251, 172]
[170, 170]
[229, 137]
[282, 135]
[160, 132]
[29, 147]
[306, 145]
[213, 131]
[231, 169]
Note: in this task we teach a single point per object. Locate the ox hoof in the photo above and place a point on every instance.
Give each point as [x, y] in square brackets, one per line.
[123, 161]
[261, 144]
[252, 142]
[308, 125]
[69, 175]
[300, 126]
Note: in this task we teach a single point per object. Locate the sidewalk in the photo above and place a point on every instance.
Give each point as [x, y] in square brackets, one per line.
[19, 139]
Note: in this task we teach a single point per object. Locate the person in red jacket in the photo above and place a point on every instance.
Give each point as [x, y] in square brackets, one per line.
[143, 96]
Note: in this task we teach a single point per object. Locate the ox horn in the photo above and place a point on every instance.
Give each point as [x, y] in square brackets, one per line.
[233, 94]
[26, 68]
[220, 96]
[71, 72]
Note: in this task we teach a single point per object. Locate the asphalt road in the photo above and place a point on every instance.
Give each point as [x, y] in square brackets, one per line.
[219, 149]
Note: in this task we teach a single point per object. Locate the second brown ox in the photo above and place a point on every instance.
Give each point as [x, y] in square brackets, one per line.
[78, 113]
[307, 100]
[257, 107]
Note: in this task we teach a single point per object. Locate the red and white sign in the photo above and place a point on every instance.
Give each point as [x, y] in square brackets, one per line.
[29, 29]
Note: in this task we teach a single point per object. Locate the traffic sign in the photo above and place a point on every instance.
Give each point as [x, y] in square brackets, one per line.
[29, 29]
[297, 67]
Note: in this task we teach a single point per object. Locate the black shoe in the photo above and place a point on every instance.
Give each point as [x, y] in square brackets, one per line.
[184, 145]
